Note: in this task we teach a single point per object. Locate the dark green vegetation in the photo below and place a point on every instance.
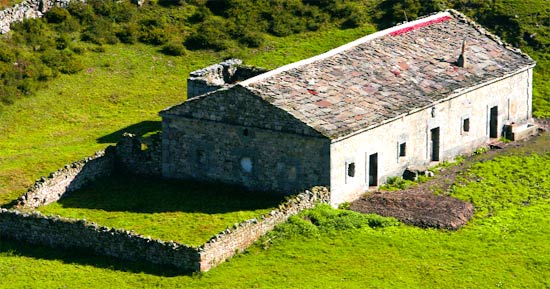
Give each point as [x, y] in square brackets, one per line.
[122, 86]
[41, 49]
[168, 210]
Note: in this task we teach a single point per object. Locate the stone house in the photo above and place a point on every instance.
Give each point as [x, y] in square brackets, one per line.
[411, 95]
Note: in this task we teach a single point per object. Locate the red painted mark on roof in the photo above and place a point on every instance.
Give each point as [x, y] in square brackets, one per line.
[396, 72]
[419, 25]
[313, 91]
[323, 103]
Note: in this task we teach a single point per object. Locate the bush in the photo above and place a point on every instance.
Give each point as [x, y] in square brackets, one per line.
[252, 39]
[57, 15]
[62, 61]
[174, 49]
[211, 34]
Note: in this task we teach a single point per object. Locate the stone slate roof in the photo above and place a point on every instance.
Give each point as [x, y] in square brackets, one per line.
[395, 72]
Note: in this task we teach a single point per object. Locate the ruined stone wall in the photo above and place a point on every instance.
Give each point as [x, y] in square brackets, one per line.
[27, 9]
[219, 75]
[226, 244]
[57, 232]
[139, 156]
[259, 159]
[512, 96]
[69, 178]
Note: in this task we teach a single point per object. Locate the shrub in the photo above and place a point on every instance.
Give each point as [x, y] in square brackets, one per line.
[174, 49]
[63, 61]
[252, 39]
[101, 32]
[211, 34]
[57, 15]
[128, 33]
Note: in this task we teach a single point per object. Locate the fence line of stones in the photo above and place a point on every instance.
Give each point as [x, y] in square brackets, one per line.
[231, 241]
[58, 232]
[71, 177]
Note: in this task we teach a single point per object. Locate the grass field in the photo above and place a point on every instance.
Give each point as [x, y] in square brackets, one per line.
[504, 246]
[163, 209]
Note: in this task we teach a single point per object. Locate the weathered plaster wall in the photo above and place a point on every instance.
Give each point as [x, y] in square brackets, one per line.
[259, 159]
[512, 96]
[27, 9]
[57, 232]
[69, 178]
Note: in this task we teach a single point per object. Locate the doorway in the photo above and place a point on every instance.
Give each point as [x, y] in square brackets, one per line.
[373, 170]
[434, 140]
[493, 122]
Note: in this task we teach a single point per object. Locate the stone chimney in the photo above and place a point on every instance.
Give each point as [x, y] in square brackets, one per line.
[462, 62]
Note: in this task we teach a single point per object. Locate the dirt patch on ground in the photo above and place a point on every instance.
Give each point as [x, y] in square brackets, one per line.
[419, 209]
[420, 206]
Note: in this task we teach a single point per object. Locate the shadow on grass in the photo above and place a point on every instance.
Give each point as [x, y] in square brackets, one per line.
[86, 258]
[152, 195]
[138, 129]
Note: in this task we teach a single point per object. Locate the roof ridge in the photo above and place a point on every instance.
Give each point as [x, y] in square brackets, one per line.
[346, 46]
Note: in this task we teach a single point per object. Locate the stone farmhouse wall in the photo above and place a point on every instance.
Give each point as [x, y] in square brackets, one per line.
[511, 95]
[69, 178]
[57, 232]
[259, 159]
[27, 9]
[60, 232]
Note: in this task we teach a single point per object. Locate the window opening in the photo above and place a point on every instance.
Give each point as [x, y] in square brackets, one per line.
[351, 170]
[466, 125]
[403, 149]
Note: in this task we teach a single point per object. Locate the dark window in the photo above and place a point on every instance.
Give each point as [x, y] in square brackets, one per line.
[403, 149]
[466, 125]
[351, 170]
[245, 132]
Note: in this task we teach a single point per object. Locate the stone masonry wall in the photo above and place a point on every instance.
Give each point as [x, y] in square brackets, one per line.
[57, 232]
[139, 156]
[259, 159]
[226, 244]
[219, 75]
[69, 178]
[27, 9]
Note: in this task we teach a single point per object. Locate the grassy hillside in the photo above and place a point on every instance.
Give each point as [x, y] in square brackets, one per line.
[121, 86]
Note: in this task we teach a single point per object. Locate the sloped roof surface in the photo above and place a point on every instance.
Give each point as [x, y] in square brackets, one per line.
[388, 74]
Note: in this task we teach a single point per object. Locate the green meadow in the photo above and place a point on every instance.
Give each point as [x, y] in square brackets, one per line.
[121, 87]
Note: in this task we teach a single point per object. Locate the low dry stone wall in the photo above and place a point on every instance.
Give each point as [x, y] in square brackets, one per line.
[226, 244]
[69, 178]
[57, 232]
[27, 9]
